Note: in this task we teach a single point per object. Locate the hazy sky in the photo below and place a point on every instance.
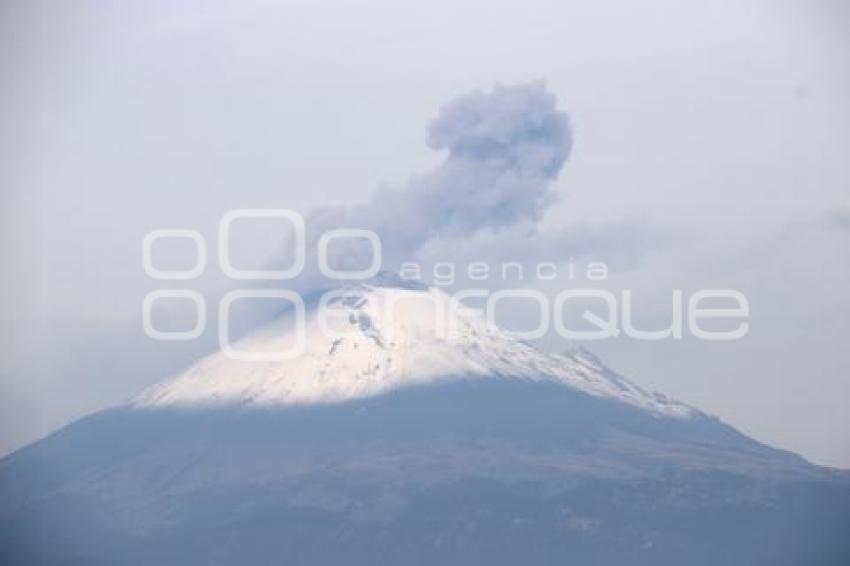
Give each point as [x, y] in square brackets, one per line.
[711, 148]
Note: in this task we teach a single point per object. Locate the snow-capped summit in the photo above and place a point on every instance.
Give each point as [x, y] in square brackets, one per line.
[367, 339]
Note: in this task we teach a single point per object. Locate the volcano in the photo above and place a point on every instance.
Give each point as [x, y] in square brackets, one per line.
[409, 430]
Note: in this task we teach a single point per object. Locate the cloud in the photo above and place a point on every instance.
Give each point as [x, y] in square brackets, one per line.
[839, 218]
[835, 219]
[504, 149]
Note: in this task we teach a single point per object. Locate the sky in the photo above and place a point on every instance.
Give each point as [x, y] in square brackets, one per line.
[708, 147]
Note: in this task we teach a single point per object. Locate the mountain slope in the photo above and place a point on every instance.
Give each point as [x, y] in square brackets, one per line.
[495, 454]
